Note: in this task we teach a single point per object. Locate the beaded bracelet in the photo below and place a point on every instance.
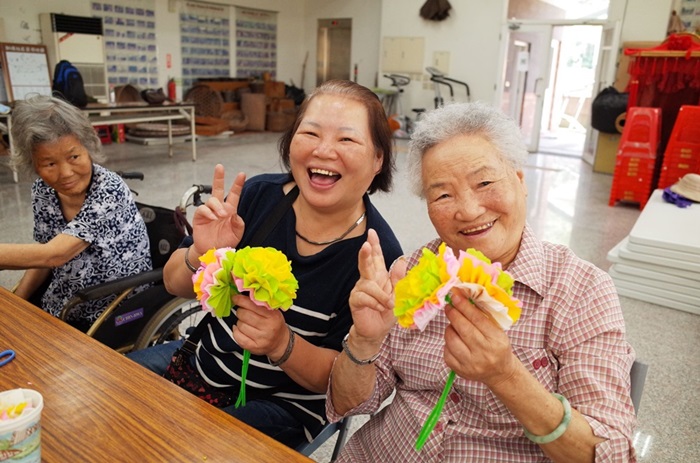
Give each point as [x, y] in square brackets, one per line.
[559, 430]
[192, 268]
[287, 351]
[352, 357]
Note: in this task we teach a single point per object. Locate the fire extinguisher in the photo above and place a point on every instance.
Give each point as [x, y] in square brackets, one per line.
[172, 93]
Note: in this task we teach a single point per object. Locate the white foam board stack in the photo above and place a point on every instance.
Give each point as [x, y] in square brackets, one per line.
[659, 261]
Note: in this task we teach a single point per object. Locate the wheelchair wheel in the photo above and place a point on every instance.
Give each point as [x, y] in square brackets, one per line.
[172, 322]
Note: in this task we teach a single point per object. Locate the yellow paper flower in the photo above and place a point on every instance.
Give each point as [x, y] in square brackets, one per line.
[208, 258]
[420, 288]
[423, 292]
[267, 274]
[263, 272]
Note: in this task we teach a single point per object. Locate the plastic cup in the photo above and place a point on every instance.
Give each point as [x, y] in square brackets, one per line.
[20, 438]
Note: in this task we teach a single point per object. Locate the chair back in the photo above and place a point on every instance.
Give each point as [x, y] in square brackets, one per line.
[638, 375]
[342, 427]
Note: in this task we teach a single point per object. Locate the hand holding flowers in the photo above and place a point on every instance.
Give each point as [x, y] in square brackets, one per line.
[263, 274]
[427, 289]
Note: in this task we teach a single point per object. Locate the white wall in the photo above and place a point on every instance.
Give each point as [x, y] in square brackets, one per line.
[21, 24]
[366, 24]
[470, 34]
[642, 20]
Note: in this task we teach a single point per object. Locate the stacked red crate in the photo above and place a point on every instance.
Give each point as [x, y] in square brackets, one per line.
[635, 163]
[682, 154]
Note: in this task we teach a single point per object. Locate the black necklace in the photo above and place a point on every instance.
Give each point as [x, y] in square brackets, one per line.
[323, 243]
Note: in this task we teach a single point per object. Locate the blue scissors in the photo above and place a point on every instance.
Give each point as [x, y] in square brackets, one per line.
[6, 357]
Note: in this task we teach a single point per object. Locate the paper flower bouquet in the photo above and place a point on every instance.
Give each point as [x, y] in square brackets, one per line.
[425, 290]
[264, 273]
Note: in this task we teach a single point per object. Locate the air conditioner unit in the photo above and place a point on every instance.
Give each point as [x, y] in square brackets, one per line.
[79, 40]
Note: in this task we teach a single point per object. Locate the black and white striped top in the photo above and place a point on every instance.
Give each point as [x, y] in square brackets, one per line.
[320, 313]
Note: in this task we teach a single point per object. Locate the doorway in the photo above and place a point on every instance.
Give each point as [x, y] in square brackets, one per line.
[333, 48]
[549, 82]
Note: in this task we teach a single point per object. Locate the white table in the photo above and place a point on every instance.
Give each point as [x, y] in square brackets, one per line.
[659, 261]
[133, 113]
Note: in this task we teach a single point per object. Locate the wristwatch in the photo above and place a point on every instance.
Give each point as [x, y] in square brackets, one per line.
[354, 359]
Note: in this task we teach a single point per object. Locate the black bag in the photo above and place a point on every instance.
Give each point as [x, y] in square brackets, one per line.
[184, 374]
[295, 93]
[68, 84]
[606, 108]
[153, 96]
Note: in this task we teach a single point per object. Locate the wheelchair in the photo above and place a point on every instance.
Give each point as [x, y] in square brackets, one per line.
[133, 321]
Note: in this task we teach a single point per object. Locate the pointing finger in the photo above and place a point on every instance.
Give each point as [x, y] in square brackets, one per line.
[217, 184]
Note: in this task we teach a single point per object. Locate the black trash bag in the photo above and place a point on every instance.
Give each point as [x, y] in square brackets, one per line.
[295, 93]
[606, 108]
[435, 10]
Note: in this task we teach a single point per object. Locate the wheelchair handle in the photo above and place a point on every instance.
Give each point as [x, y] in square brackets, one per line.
[130, 175]
[194, 192]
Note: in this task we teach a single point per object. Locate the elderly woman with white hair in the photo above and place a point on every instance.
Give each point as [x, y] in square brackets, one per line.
[86, 225]
[554, 387]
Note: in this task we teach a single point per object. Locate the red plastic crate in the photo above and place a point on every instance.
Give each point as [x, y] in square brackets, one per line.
[682, 155]
[641, 133]
[671, 174]
[635, 165]
[104, 133]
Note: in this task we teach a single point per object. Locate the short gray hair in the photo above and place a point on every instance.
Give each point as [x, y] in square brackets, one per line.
[44, 119]
[442, 124]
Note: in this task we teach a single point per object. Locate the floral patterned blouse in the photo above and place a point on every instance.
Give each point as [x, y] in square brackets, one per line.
[110, 222]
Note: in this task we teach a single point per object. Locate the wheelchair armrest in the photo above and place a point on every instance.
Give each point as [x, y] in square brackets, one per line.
[120, 285]
[116, 286]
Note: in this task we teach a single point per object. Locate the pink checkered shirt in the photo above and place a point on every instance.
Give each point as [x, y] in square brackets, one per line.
[571, 337]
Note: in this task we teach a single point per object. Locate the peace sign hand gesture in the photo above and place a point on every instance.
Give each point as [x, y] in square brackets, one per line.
[372, 298]
[216, 223]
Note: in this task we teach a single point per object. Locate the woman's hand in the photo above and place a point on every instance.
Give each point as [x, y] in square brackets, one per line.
[476, 348]
[372, 298]
[260, 330]
[216, 223]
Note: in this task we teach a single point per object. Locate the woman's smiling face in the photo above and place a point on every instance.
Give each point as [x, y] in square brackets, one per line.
[475, 198]
[64, 165]
[332, 155]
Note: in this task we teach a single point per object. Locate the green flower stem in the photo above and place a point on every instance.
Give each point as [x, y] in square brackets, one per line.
[244, 372]
[435, 414]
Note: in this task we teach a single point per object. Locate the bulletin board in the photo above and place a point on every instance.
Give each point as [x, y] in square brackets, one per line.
[130, 41]
[256, 43]
[25, 70]
[204, 42]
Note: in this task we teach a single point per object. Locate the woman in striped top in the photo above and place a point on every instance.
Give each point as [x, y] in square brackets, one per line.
[337, 153]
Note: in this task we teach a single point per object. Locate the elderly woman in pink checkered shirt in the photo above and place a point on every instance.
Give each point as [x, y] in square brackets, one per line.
[555, 387]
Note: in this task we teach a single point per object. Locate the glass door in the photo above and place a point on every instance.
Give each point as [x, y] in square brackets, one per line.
[604, 77]
[526, 77]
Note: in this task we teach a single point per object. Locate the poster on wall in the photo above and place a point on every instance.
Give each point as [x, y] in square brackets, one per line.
[25, 71]
[130, 41]
[690, 15]
[256, 43]
[204, 42]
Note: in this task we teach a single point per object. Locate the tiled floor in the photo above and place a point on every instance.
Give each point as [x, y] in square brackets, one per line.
[568, 203]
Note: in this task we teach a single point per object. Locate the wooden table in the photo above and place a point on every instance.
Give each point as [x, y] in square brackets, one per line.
[100, 406]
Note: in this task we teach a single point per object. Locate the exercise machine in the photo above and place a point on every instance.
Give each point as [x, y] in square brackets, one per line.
[440, 78]
[393, 107]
